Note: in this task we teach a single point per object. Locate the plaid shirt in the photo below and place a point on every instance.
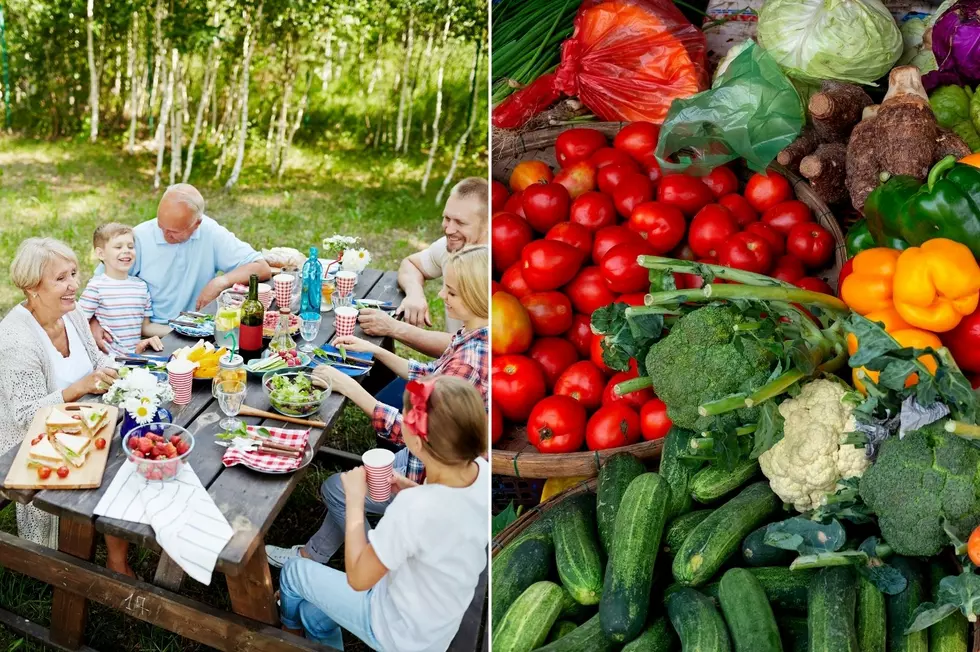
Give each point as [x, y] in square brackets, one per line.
[468, 357]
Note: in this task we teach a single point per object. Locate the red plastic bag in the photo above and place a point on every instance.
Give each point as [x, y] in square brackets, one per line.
[626, 61]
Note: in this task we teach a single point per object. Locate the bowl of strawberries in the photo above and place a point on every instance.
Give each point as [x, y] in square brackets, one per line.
[160, 452]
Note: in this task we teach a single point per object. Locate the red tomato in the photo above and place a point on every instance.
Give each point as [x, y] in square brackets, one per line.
[845, 271]
[63, 472]
[555, 355]
[593, 210]
[557, 425]
[517, 383]
[788, 268]
[662, 225]
[584, 382]
[515, 204]
[639, 140]
[550, 313]
[613, 426]
[595, 355]
[814, 284]
[811, 243]
[775, 239]
[654, 173]
[609, 237]
[495, 288]
[512, 330]
[710, 229]
[609, 177]
[685, 192]
[632, 299]
[766, 190]
[783, 217]
[610, 155]
[964, 342]
[721, 181]
[684, 252]
[693, 281]
[631, 192]
[635, 400]
[545, 205]
[589, 291]
[44, 472]
[740, 209]
[578, 179]
[497, 421]
[574, 145]
[654, 422]
[513, 281]
[509, 234]
[100, 444]
[549, 264]
[528, 173]
[580, 334]
[621, 270]
[499, 195]
[746, 251]
[574, 234]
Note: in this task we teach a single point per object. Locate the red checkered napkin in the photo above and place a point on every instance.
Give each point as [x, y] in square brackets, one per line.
[268, 461]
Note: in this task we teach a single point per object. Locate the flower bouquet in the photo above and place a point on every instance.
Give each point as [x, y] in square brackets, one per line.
[355, 260]
[335, 246]
[140, 393]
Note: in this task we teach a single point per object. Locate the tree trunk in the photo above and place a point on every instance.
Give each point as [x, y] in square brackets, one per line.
[268, 136]
[132, 52]
[250, 37]
[406, 67]
[421, 64]
[434, 147]
[162, 126]
[471, 121]
[159, 59]
[229, 118]
[376, 71]
[297, 123]
[360, 58]
[177, 120]
[210, 73]
[284, 109]
[327, 73]
[93, 73]
[4, 63]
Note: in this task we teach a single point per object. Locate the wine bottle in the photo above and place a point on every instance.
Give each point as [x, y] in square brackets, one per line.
[253, 316]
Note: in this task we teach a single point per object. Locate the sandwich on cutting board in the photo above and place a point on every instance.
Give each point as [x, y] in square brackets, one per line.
[73, 448]
[45, 453]
[93, 419]
[61, 421]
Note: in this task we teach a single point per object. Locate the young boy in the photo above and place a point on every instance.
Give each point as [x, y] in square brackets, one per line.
[119, 301]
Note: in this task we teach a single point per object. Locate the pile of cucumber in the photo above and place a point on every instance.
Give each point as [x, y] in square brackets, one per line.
[641, 566]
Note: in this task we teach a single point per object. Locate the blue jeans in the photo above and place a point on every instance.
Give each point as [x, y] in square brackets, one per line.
[319, 600]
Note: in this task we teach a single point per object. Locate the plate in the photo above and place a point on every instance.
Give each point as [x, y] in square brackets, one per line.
[194, 331]
[353, 373]
[304, 462]
[304, 359]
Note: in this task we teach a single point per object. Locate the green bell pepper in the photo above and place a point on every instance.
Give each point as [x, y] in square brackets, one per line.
[859, 238]
[884, 207]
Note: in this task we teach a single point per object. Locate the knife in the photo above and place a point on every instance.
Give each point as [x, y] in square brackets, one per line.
[350, 360]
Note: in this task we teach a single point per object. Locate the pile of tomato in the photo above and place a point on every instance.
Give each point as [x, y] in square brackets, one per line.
[565, 244]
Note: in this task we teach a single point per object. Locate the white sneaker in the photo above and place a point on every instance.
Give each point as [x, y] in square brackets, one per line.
[279, 556]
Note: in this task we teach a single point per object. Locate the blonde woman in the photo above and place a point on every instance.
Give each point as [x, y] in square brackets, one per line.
[466, 296]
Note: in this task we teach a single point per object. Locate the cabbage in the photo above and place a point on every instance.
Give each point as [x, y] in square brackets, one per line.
[845, 40]
[956, 44]
[917, 53]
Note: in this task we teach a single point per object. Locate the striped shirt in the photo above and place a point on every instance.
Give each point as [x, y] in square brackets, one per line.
[120, 307]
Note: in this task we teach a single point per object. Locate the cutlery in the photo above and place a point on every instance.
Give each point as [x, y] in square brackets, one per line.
[247, 411]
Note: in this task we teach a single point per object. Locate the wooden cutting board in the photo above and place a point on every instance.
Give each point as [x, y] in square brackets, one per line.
[89, 476]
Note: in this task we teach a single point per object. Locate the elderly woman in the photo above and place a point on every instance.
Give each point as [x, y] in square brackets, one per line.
[49, 357]
[465, 294]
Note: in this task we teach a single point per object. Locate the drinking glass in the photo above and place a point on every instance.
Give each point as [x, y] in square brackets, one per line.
[309, 326]
[231, 396]
[342, 302]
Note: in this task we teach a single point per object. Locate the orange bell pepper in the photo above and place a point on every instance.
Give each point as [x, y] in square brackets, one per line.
[888, 316]
[869, 287]
[936, 285]
[907, 337]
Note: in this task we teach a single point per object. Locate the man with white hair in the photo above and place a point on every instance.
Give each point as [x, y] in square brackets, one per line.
[180, 253]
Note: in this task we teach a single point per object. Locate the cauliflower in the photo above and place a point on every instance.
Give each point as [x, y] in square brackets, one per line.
[805, 466]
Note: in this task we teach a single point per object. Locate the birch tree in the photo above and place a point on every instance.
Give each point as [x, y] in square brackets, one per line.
[93, 73]
[406, 69]
[249, 48]
[132, 51]
[164, 115]
[287, 93]
[434, 146]
[176, 119]
[211, 66]
[470, 122]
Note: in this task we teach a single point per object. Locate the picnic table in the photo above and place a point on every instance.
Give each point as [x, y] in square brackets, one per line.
[249, 500]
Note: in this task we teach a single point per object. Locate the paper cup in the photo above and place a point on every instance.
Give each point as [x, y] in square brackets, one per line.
[345, 319]
[345, 282]
[283, 286]
[181, 384]
[379, 466]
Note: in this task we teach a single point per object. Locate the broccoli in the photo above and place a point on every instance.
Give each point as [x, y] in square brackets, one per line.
[918, 483]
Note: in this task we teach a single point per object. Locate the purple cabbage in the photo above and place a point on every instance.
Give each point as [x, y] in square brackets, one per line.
[956, 44]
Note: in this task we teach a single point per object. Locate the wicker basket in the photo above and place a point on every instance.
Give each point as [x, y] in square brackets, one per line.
[513, 530]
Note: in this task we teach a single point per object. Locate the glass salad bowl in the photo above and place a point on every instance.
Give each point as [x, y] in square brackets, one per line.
[293, 392]
[159, 450]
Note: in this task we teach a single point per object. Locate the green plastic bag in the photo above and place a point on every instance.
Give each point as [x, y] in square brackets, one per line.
[751, 111]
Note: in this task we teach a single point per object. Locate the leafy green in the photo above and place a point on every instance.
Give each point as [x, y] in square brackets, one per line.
[293, 396]
[769, 430]
[805, 536]
[844, 504]
[627, 336]
[955, 592]
[500, 522]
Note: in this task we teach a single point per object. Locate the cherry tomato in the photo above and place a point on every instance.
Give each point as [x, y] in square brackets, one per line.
[62, 472]
[545, 205]
[609, 177]
[99, 444]
[580, 334]
[609, 237]
[557, 425]
[509, 234]
[622, 271]
[574, 145]
[788, 268]
[574, 234]
[635, 400]
[766, 190]
[550, 313]
[639, 140]
[593, 210]
[654, 422]
[513, 281]
[497, 423]
[662, 225]
[549, 264]
[44, 472]
[775, 239]
[721, 181]
[578, 179]
[811, 243]
[529, 173]
[588, 291]
[746, 251]
[517, 383]
[499, 196]
[632, 298]
[654, 173]
[554, 355]
[740, 209]
[784, 216]
[685, 192]
[595, 355]
[710, 229]
[512, 329]
[515, 204]
[973, 546]
[584, 382]
[814, 284]
[613, 426]
[610, 155]
[631, 192]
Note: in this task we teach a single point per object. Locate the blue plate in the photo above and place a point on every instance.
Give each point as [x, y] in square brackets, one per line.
[204, 330]
[353, 373]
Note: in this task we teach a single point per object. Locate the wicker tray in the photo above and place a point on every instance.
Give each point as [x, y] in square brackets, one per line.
[514, 530]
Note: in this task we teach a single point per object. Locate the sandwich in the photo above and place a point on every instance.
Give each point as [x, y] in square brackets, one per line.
[94, 418]
[73, 448]
[44, 453]
[61, 421]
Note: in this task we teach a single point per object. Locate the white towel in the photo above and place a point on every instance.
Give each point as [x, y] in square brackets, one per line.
[186, 522]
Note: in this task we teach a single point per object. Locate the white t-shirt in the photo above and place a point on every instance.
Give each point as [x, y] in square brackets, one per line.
[433, 541]
[433, 260]
[66, 370]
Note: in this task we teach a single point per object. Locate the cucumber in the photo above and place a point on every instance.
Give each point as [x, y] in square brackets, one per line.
[951, 633]
[713, 483]
[678, 471]
[786, 590]
[717, 537]
[523, 562]
[831, 605]
[577, 553]
[899, 608]
[697, 622]
[629, 573]
[575, 612]
[680, 527]
[561, 629]
[795, 634]
[748, 613]
[870, 618]
[587, 637]
[658, 637]
[756, 552]
[526, 624]
[614, 476]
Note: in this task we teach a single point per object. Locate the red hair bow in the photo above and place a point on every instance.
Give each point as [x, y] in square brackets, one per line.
[417, 415]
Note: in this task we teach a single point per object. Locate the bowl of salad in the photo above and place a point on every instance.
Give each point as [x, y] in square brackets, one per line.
[295, 393]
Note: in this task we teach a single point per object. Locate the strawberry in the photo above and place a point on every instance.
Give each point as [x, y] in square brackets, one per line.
[139, 454]
[159, 451]
[171, 450]
[145, 445]
[183, 447]
[175, 440]
[161, 457]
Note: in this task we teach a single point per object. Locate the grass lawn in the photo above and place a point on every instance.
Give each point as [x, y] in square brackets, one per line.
[65, 190]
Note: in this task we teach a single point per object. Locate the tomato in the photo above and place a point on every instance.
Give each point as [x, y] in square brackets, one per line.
[512, 330]
[584, 382]
[775, 239]
[499, 196]
[621, 270]
[62, 472]
[740, 209]
[495, 288]
[684, 252]
[595, 354]
[578, 179]
[44, 472]
[609, 177]
[515, 204]
[662, 225]
[845, 271]
[685, 192]
[545, 205]
[654, 422]
[550, 313]
[593, 210]
[580, 334]
[574, 145]
[509, 234]
[746, 251]
[811, 243]
[609, 237]
[721, 181]
[710, 229]
[973, 543]
[557, 425]
[549, 264]
[632, 298]
[654, 173]
[99, 444]
[573, 234]
[497, 423]
[766, 190]
[513, 281]
[554, 355]
[613, 426]
[528, 173]
[517, 383]
[632, 191]
[610, 156]
[963, 342]
[814, 284]
[788, 268]
[589, 291]
[639, 140]
[784, 216]
[635, 400]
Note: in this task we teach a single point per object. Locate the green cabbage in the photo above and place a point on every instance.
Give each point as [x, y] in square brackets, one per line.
[855, 41]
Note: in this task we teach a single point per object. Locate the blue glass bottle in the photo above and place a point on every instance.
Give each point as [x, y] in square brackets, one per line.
[312, 285]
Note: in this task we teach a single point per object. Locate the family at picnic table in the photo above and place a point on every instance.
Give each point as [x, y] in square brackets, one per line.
[409, 581]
